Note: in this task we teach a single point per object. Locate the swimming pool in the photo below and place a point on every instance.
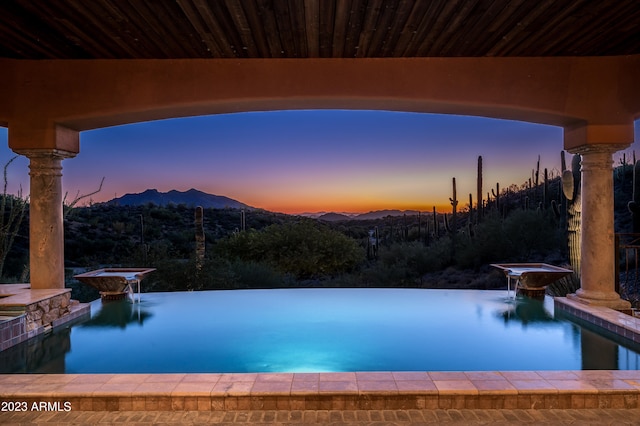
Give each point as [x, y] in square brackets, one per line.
[320, 330]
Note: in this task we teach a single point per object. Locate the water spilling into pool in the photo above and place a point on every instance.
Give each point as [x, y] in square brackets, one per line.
[320, 330]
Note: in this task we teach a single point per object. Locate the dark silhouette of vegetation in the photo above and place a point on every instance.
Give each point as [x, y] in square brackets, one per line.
[12, 211]
[305, 249]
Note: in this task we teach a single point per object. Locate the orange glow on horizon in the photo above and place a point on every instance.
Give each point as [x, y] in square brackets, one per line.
[296, 208]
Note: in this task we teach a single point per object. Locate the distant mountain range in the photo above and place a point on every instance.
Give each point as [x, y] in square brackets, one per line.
[191, 198]
[378, 214]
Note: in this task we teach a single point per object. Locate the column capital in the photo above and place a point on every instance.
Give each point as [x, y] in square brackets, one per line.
[46, 153]
[45, 162]
[601, 148]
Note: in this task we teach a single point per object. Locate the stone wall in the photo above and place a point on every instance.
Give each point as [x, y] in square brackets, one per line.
[45, 312]
[26, 313]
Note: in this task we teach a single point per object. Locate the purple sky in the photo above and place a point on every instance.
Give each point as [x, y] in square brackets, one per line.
[308, 161]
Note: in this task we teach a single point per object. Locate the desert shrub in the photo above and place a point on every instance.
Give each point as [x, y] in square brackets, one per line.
[531, 232]
[486, 244]
[403, 264]
[416, 257]
[384, 275]
[524, 235]
[255, 275]
[304, 249]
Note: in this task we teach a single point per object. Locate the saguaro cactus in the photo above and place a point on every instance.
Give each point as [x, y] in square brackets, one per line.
[479, 190]
[563, 199]
[634, 204]
[545, 190]
[454, 207]
[571, 186]
[436, 231]
[496, 195]
[200, 246]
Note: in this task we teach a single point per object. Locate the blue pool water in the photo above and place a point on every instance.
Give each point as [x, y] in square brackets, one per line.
[320, 330]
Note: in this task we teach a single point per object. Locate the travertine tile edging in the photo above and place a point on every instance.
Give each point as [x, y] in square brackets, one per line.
[601, 317]
[329, 391]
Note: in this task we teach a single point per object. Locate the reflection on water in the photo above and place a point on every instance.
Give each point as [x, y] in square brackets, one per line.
[526, 311]
[42, 354]
[598, 353]
[47, 353]
[119, 313]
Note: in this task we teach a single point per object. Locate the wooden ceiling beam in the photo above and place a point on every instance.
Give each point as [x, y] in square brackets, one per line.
[270, 25]
[100, 22]
[80, 30]
[520, 30]
[384, 23]
[298, 27]
[243, 28]
[326, 25]
[473, 39]
[402, 13]
[312, 24]
[342, 17]
[42, 45]
[410, 30]
[368, 27]
[202, 19]
[540, 37]
[441, 21]
[145, 21]
[354, 28]
[454, 29]
[258, 35]
[612, 17]
[283, 20]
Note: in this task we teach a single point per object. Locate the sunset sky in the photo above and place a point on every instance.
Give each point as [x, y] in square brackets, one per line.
[308, 161]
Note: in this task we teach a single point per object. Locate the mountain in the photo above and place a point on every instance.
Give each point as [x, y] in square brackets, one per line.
[191, 198]
[379, 214]
[332, 217]
[372, 215]
[316, 215]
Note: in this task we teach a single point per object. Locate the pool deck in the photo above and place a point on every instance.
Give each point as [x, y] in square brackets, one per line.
[328, 391]
[512, 392]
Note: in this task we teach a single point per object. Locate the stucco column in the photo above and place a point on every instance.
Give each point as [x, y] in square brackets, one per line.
[597, 257]
[46, 227]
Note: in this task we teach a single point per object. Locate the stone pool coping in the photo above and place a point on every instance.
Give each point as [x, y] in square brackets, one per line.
[328, 391]
[22, 294]
[606, 319]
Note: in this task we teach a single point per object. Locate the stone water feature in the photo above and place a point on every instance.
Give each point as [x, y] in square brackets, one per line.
[531, 278]
[114, 283]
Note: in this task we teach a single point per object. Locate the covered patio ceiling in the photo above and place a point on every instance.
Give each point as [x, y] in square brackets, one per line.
[135, 29]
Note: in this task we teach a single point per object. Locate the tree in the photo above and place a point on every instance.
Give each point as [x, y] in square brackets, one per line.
[68, 207]
[12, 210]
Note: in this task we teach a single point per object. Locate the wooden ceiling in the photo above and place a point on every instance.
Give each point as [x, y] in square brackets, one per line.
[122, 29]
